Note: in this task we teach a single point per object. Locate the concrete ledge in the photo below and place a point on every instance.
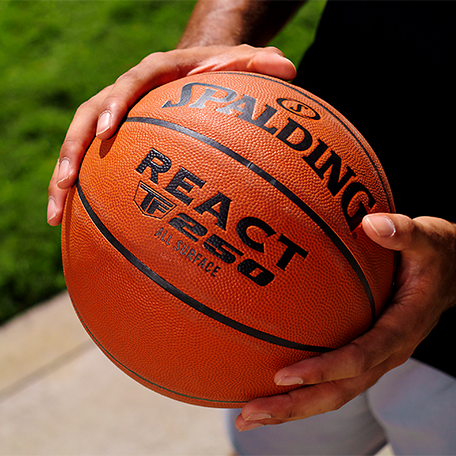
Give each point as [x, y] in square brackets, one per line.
[59, 395]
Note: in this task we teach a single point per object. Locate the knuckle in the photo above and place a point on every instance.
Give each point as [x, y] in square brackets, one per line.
[86, 106]
[53, 182]
[337, 394]
[358, 357]
[87, 110]
[292, 408]
[343, 397]
[320, 376]
[151, 58]
[129, 75]
[273, 50]
[68, 148]
[134, 74]
[244, 47]
[337, 403]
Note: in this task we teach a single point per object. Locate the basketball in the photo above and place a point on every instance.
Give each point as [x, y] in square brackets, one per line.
[217, 237]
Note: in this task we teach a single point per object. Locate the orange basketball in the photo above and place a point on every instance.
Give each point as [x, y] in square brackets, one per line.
[217, 237]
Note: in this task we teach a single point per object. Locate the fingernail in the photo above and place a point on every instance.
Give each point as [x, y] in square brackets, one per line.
[258, 416]
[64, 168]
[381, 224]
[288, 381]
[51, 209]
[104, 122]
[250, 426]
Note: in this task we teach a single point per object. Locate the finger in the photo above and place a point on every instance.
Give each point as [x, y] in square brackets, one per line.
[390, 342]
[401, 233]
[305, 401]
[295, 405]
[154, 70]
[78, 138]
[269, 61]
[273, 63]
[56, 200]
[311, 400]
[350, 361]
[426, 246]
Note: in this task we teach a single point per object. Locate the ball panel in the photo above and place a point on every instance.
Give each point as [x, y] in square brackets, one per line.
[158, 327]
[267, 151]
[169, 250]
[251, 223]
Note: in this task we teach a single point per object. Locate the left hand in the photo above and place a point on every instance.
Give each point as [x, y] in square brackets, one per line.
[425, 288]
[102, 114]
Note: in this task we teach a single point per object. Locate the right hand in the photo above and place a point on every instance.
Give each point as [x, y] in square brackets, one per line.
[101, 115]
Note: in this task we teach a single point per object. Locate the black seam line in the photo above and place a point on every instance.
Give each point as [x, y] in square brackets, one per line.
[344, 250]
[176, 292]
[304, 94]
[145, 379]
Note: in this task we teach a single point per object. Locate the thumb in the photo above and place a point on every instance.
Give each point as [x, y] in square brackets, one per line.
[416, 238]
[428, 256]
[394, 231]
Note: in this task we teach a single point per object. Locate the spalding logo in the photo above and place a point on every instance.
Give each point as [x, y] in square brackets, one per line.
[298, 108]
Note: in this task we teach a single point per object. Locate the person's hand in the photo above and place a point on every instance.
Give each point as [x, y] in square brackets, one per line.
[425, 288]
[102, 114]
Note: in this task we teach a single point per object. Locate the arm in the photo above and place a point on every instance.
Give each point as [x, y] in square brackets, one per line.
[237, 21]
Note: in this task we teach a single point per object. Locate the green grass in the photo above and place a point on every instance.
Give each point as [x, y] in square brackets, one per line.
[53, 56]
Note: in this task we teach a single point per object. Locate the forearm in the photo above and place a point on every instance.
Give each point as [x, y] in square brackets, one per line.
[233, 22]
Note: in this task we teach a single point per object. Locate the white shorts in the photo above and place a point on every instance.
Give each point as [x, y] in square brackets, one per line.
[412, 407]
